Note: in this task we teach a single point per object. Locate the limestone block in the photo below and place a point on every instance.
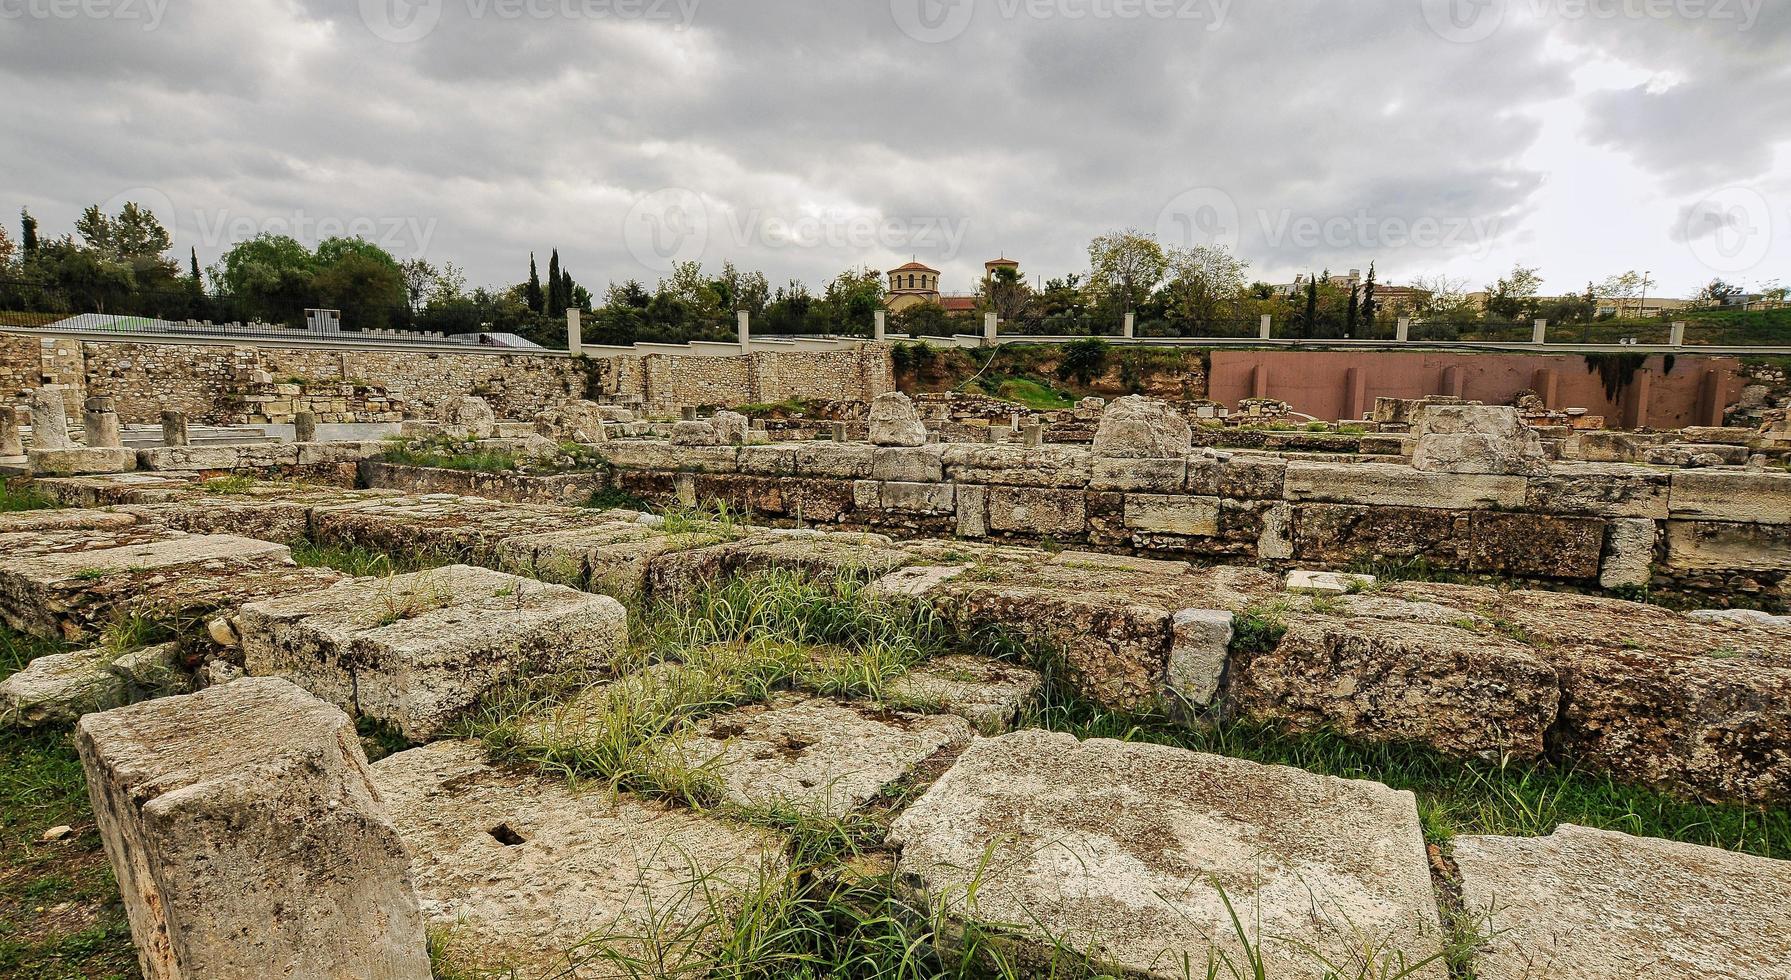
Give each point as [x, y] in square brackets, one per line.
[1392, 485]
[1276, 542]
[521, 870]
[11, 439]
[1535, 545]
[1606, 447]
[1599, 905]
[324, 453]
[1119, 852]
[1241, 476]
[469, 417]
[973, 511]
[1137, 427]
[76, 460]
[1164, 514]
[56, 690]
[771, 460]
[248, 838]
[817, 755]
[731, 428]
[989, 694]
[1751, 617]
[49, 418]
[1726, 495]
[919, 464]
[1724, 436]
[1629, 555]
[416, 650]
[1326, 583]
[1148, 475]
[191, 458]
[917, 581]
[894, 422]
[576, 421]
[1519, 454]
[1199, 650]
[1726, 547]
[836, 460]
[1061, 514]
[917, 498]
[1602, 490]
[1018, 466]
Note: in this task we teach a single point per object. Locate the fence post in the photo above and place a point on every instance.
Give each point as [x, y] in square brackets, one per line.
[1131, 327]
[1266, 329]
[880, 326]
[991, 328]
[1539, 333]
[743, 324]
[1403, 332]
[1678, 337]
[575, 332]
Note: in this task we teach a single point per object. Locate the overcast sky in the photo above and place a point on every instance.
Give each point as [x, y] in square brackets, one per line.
[800, 137]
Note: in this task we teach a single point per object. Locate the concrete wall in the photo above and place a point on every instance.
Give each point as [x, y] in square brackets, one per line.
[1337, 385]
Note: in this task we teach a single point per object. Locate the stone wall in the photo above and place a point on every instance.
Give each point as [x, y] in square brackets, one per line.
[1725, 533]
[208, 382]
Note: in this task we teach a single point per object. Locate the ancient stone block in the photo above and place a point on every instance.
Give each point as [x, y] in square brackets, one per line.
[1241, 476]
[1629, 555]
[1335, 534]
[1163, 514]
[576, 421]
[987, 693]
[921, 464]
[523, 872]
[1484, 439]
[1136, 427]
[1018, 466]
[77, 460]
[1535, 545]
[56, 690]
[1459, 692]
[1601, 491]
[894, 422]
[191, 458]
[1606, 447]
[816, 755]
[1723, 547]
[1060, 514]
[1326, 583]
[1127, 854]
[774, 460]
[469, 417]
[1276, 542]
[248, 838]
[1598, 905]
[1149, 475]
[973, 511]
[835, 460]
[416, 650]
[1731, 495]
[1199, 651]
[917, 498]
[1392, 485]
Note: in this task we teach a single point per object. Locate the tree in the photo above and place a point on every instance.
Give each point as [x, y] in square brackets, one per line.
[1514, 296]
[1370, 306]
[532, 294]
[1621, 288]
[556, 288]
[1442, 297]
[1310, 320]
[420, 281]
[1354, 315]
[1004, 293]
[852, 300]
[1718, 292]
[7, 250]
[1125, 266]
[198, 280]
[28, 236]
[1204, 281]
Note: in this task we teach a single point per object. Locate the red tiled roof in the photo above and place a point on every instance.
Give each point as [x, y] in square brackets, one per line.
[958, 304]
[915, 267]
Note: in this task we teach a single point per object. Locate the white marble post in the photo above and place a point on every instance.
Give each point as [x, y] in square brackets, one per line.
[1267, 328]
[49, 419]
[174, 429]
[743, 324]
[575, 332]
[100, 420]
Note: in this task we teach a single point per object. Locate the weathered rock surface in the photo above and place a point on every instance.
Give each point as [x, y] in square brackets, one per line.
[1595, 905]
[469, 417]
[577, 421]
[1125, 853]
[1137, 427]
[58, 689]
[1461, 692]
[524, 873]
[895, 422]
[989, 694]
[248, 838]
[1484, 439]
[417, 650]
[816, 755]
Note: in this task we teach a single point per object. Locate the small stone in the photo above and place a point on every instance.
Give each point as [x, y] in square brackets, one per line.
[55, 834]
[1327, 583]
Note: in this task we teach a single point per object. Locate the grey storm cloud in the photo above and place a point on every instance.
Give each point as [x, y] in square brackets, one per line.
[822, 134]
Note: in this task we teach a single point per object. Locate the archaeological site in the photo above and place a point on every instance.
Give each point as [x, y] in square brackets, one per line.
[807, 660]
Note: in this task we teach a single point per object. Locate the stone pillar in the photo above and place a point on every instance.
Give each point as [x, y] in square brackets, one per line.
[1539, 332]
[174, 429]
[1034, 436]
[304, 427]
[1403, 332]
[12, 442]
[1355, 391]
[575, 332]
[1131, 327]
[249, 839]
[743, 327]
[688, 413]
[880, 326]
[49, 419]
[839, 432]
[1678, 336]
[1452, 383]
[1711, 403]
[1266, 328]
[991, 329]
[100, 420]
[1259, 381]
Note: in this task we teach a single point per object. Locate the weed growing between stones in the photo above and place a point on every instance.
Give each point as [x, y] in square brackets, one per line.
[446, 455]
[363, 562]
[231, 485]
[17, 498]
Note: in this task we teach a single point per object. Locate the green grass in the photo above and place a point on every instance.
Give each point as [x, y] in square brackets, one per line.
[1032, 394]
[613, 498]
[17, 498]
[363, 562]
[231, 485]
[59, 910]
[444, 454]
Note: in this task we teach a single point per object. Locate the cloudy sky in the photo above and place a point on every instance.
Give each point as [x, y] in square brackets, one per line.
[1587, 137]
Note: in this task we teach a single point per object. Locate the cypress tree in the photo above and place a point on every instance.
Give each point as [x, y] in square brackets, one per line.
[1311, 307]
[197, 281]
[532, 294]
[1355, 312]
[28, 238]
[1369, 306]
[556, 303]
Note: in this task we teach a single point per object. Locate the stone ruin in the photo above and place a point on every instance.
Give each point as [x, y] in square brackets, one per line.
[247, 826]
